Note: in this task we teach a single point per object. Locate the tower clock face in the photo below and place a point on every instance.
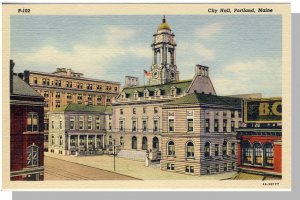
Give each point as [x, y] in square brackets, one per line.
[155, 74]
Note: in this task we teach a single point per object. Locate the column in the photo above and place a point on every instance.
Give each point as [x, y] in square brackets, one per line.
[78, 141]
[95, 141]
[161, 55]
[87, 142]
[103, 141]
[69, 142]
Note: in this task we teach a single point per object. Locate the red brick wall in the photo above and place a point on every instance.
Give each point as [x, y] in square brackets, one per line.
[263, 139]
[20, 141]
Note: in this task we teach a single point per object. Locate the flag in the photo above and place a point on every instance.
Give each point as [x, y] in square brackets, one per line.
[148, 74]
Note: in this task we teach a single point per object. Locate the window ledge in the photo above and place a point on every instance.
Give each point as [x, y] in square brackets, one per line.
[34, 132]
[190, 158]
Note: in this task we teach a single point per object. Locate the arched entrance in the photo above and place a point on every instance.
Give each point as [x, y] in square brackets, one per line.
[134, 143]
[144, 143]
[155, 144]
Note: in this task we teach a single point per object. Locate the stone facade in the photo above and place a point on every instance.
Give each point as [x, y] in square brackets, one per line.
[200, 139]
[80, 129]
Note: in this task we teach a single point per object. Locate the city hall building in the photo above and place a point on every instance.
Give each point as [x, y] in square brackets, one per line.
[77, 129]
[182, 124]
[137, 112]
[260, 139]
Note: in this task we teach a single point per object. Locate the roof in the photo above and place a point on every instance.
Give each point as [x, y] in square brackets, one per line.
[84, 108]
[164, 25]
[181, 86]
[20, 87]
[198, 98]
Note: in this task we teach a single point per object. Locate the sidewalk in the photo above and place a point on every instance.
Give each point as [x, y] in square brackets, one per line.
[135, 168]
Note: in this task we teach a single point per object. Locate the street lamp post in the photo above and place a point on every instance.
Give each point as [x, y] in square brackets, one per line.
[114, 155]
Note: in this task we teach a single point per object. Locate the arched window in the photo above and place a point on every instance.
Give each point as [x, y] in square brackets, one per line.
[224, 148]
[269, 155]
[134, 143]
[144, 143]
[155, 143]
[32, 155]
[122, 141]
[207, 150]
[246, 152]
[258, 152]
[171, 148]
[190, 149]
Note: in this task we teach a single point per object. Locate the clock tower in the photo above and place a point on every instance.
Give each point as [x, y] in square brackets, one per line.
[163, 69]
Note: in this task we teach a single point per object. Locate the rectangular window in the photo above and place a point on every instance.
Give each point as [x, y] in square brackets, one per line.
[224, 125]
[60, 124]
[32, 122]
[99, 98]
[216, 125]
[134, 111]
[171, 125]
[170, 167]
[57, 104]
[97, 122]
[79, 96]
[207, 125]
[155, 109]
[224, 113]
[216, 150]
[46, 94]
[72, 123]
[121, 112]
[232, 126]
[134, 127]
[122, 125]
[90, 123]
[57, 95]
[108, 100]
[155, 125]
[46, 104]
[232, 113]
[144, 110]
[189, 169]
[190, 123]
[109, 126]
[69, 96]
[233, 166]
[232, 148]
[44, 81]
[144, 125]
[52, 124]
[81, 122]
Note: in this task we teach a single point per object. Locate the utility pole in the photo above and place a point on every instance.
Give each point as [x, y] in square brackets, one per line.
[114, 155]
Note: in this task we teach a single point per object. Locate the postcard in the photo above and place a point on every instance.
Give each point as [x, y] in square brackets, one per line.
[147, 96]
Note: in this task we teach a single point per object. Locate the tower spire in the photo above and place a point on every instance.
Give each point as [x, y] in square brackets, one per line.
[164, 19]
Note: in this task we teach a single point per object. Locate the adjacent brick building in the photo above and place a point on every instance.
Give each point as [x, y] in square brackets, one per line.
[26, 130]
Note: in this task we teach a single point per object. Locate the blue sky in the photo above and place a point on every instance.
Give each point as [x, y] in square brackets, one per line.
[242, 51]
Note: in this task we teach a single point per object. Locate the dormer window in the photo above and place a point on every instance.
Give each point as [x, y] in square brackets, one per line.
[135, 94]
[157, 92]
[173, 91]
[146, 93]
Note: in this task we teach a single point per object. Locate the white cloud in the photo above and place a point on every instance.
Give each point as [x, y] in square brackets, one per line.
[250, 76]
[209, 30]
[197, 50]
[86, 58]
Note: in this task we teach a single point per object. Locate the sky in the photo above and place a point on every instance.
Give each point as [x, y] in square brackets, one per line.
[243, 52]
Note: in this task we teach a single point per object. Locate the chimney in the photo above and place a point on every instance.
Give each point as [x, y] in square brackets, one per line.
[26, 76]
[201, 70]
[131, 81]
[21, 76]
[69, 72]
[11, 75]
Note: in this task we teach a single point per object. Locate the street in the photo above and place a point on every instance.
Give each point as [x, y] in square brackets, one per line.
[56, 169]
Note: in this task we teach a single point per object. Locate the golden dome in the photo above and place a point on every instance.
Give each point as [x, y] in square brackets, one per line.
[164, 25]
